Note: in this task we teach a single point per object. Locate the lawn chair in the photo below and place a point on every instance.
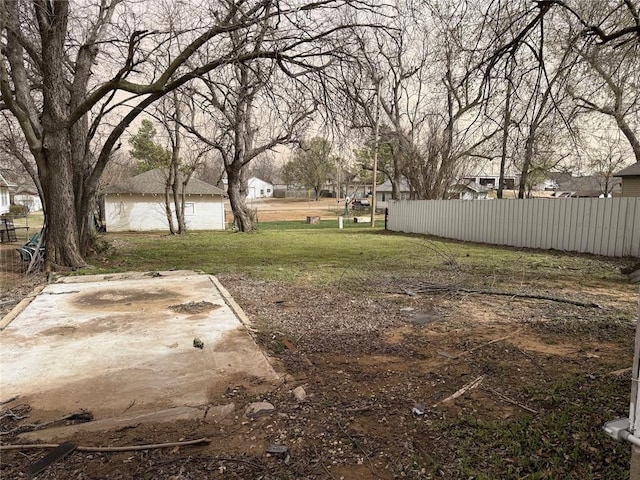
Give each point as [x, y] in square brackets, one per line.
[35, 245]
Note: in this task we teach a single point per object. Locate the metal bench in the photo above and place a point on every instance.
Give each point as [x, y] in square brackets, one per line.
[35, 245]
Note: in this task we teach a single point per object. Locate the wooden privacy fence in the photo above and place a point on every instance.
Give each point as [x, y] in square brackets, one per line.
[603, 226]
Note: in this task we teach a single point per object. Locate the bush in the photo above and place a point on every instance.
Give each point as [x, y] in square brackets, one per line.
[15, 209]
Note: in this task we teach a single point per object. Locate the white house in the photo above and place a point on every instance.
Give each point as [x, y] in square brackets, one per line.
[137, 204]
[257, 188]
[5, 201]
[384, 190]
[487, 174]
[468, 190]
[29, 198]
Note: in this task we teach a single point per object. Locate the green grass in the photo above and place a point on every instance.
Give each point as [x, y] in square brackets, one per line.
[565, 440]
[296, 251]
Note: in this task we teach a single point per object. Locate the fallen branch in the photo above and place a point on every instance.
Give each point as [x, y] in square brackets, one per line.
[469, 386]
[129, 448]
[623, 371]
[502, 396]
[13, 416]
[81, 416]
[496, 340]
[4, 402]
[453, 289]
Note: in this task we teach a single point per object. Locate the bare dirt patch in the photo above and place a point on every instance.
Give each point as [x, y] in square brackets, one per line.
[363, 367]
[277, 209]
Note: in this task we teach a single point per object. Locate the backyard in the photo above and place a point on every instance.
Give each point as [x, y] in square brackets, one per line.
[418, 357]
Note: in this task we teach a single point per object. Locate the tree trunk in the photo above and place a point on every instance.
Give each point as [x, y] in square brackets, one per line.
[630, 135]
[56, 178]
[528, 157]
[238, 200]
[177, 185]
[505, 137]
[167, 201]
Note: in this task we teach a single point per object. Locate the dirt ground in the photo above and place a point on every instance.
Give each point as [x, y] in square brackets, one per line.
[273, 209]
[378, 364]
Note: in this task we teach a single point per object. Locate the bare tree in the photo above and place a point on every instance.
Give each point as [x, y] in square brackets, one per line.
[604, 159]
[604, 35]
[608, 85]
[263, 167]
[245, 110]
[311, 165]
[429, 98]
[50, 84]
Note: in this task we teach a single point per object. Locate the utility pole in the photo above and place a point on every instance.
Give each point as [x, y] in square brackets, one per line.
[375, 154]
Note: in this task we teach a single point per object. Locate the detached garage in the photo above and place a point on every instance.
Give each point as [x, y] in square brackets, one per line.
[257, 188]
[137, 204]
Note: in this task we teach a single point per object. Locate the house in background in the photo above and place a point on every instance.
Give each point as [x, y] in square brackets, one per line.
[137, 204]
[468, 190]
[26, 194]
[554, 179]
[22, 190]
[589, 187]
[257, 188]
[384, 190]
[487, 174]
[29, 199]
[5, 198]
[630, 177]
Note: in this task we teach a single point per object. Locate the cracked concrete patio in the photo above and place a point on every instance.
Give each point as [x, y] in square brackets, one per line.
[122, 345]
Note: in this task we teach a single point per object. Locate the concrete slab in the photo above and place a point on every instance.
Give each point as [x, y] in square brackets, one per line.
[124, 343]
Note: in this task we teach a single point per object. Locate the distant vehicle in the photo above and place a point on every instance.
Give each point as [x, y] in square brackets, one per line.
[360, 204]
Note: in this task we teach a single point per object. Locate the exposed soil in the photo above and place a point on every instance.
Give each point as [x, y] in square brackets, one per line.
[272, 209]
[371, 359]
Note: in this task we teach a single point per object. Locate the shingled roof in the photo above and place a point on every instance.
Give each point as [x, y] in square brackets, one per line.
[153, 183]
[630, 171]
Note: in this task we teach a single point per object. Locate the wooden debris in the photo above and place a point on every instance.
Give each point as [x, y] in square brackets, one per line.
[129, 448]
[9, 400]
[79, 416]
[53, 456]
[469, 386]
[447, 355]
[502, 396]
[290, 346]
[619, 373]
[467, 352]
[455, 289]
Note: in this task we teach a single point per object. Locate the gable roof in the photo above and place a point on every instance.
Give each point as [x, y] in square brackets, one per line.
[386, 186]
[468, 185]
[153, 183]
[630, 171]
[257, 179]
[5, 183]
[588, 186]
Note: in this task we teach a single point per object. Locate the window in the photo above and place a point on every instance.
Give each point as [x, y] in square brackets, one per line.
[268, 190]
[261, 192]
[189, 208]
